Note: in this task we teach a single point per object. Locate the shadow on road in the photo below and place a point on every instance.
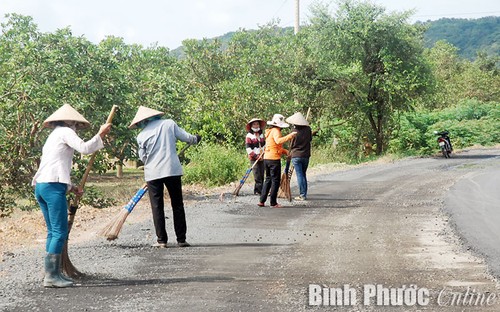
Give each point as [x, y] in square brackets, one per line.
[238, 245]
[466, 156]
[107, 282]
[232, 245]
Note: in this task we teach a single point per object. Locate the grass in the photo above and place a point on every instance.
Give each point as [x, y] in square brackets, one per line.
[118, 189]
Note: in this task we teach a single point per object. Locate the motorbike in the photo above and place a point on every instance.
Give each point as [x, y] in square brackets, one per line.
[444, 143]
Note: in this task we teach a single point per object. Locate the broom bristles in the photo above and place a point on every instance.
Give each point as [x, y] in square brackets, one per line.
[67, 267]
[284, 189]
[114, 227]
[237, 190]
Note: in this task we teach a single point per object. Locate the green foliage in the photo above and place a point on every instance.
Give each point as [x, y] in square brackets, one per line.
[41, 71]
[457, 79]
[230, 83]
[370, 62]
[469, 123]
[214, 165]
[468, 35]
[95, 198]
[7, 202]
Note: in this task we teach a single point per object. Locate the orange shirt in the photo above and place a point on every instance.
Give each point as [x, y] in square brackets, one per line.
[274, 143]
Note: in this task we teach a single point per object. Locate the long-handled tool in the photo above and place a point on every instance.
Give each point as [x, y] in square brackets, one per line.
[284, 190]
[68, 267]
[245, 177]
[113, 228]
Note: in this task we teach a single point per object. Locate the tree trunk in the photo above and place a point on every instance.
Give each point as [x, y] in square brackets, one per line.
[379, 139]
[377, 127]
[119, 171]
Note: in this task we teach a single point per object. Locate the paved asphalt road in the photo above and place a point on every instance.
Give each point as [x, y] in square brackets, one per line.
[474, 204]
[383, 235]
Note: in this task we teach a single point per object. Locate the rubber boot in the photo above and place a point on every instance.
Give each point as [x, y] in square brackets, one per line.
[52, 272]
[64, 276]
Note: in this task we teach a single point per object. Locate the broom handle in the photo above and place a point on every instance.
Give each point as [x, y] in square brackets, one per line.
[136, 198]
[66, 264]
[92, 157]
[74, 206]
[245, 176]
[256, 161]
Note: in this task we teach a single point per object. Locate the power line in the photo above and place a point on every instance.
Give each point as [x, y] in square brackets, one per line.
[281, 7]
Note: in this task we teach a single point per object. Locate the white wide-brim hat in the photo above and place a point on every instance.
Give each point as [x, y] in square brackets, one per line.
[297, 119]
[143, 113]
[278, 121]
[66, 113]
[262, 123]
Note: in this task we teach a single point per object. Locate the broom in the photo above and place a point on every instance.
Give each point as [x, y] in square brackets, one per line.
[245, 176]
[113, 228]
[68, 267]
[286, 176]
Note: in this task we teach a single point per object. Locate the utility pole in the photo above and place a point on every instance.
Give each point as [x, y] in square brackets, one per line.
[297, 16]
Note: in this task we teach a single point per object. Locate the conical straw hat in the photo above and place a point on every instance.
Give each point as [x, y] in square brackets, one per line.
[66, 113]
[143, 113]
[297, 119]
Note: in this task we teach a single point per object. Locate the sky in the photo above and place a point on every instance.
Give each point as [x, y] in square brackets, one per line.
[167, 22]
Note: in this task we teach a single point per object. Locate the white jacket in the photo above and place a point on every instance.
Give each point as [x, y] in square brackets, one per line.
[57, 155]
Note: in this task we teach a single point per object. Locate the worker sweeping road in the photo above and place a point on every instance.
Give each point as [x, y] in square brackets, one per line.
[162, 167]
[52, 181]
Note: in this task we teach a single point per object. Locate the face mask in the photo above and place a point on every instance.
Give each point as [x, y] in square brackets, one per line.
[255, 129]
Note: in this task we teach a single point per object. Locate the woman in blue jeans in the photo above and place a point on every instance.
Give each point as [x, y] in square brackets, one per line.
[52, 181]
[300, 151]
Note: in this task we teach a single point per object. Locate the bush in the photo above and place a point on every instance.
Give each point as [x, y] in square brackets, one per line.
[7, 203]
[214, 165]
[95, 198]
[469, 123]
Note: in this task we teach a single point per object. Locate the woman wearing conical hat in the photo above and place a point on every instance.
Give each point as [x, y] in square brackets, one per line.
[300, 151]
[52, 181]
[162, 168]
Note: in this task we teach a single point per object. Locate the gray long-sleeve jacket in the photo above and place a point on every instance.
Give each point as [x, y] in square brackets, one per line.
[157, 148]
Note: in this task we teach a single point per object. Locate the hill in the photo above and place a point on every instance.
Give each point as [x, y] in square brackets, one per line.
[468, 35]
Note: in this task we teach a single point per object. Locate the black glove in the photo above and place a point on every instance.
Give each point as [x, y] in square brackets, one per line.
[198, 138]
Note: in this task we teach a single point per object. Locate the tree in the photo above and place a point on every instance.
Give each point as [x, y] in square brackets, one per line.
[370, 62]
[20, 90]
[458, 79]
[249, 77]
